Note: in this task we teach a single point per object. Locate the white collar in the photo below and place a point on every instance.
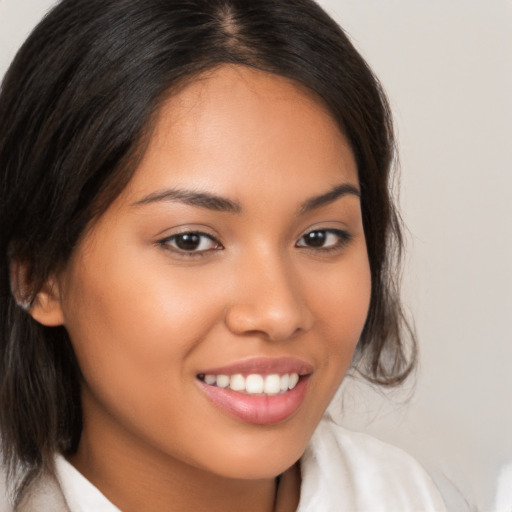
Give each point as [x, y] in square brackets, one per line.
[80, 494]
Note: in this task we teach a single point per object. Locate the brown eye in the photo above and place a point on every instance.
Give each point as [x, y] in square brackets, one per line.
[188, 241]
[315, 238]
[191, 242]
[324, 239]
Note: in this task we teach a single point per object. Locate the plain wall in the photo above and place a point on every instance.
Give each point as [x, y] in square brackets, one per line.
[447, 67]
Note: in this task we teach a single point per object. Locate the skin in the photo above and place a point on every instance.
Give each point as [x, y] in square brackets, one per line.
[144, 317]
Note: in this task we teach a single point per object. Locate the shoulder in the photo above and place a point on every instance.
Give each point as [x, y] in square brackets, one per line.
[345, 470]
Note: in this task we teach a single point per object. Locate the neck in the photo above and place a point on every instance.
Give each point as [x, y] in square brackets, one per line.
[135, 477]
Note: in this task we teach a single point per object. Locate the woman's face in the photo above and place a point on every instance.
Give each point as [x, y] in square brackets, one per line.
[233, 262]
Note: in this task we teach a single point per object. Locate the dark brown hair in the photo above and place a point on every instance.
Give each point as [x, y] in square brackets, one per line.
[75, 108]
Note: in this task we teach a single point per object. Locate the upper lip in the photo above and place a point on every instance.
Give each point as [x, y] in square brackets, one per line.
[263, 366]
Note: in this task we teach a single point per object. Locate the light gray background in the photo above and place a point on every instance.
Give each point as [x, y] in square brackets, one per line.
[446, 65]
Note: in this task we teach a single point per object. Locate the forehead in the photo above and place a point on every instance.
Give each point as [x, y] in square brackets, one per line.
[234, 125]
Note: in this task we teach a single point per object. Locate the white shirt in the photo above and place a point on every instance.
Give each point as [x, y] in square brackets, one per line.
[341, 471]
[80, 494]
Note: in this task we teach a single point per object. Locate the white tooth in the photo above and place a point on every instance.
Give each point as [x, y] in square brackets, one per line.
[237, 382]
[210, 379]
[254, 384]
[294, 378]
[222, 381]
[284, 382]
[272, 384]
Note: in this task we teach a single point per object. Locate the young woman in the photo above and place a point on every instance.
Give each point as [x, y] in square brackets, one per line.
[197, 242]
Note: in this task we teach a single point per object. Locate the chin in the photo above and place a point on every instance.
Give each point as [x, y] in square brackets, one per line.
[260, 461]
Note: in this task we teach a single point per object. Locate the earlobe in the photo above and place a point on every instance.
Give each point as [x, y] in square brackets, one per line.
[45, 306]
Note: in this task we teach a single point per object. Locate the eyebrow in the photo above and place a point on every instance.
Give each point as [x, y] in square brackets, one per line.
[222, 204]
[192, 198]
[334, 194]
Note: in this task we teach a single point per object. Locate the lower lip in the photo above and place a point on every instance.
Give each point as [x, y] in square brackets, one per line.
[258, 409]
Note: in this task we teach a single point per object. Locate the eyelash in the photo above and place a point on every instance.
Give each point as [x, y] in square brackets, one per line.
[169, 243]
[343, 238]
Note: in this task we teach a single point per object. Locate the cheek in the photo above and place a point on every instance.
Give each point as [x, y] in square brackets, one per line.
[343, 295]
[340, 297]
[131, 335]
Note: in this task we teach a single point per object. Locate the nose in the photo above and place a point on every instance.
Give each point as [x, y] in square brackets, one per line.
[268, 302]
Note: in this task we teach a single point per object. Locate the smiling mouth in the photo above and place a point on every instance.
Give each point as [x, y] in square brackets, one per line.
[261, 391]
[254, 383]
[257, 398]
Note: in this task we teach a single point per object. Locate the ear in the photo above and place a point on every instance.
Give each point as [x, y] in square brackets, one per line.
[45, 307]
